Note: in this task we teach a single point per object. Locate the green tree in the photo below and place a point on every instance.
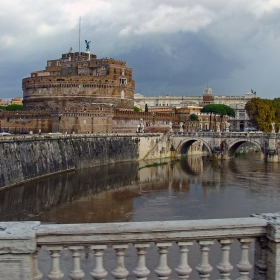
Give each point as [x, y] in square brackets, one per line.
[218, 109]
[14, 107]
[276, 104]
[193, 118]
[146, 108]
[261, 113]
[224, 110]
[136, 109]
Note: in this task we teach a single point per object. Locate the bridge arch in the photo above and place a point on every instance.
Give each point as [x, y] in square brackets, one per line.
[233, 146]
[185, 145]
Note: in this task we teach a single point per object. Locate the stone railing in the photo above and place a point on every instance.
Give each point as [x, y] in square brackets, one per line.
[127, 246]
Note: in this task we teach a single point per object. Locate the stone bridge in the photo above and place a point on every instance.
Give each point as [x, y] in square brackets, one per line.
[221, 144]
[224, 145]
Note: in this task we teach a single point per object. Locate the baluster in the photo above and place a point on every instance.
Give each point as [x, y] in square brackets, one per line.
[224, 266]
[55, 273]
[244, 265]
[98, 272]
[204, 268]
[37, 275]
[120, 272]
[162, 269]
[76, 273]
[183, 269]
[141, 271]
[261, 262]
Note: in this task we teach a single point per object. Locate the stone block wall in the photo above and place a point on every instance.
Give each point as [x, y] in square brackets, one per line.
[34, 157]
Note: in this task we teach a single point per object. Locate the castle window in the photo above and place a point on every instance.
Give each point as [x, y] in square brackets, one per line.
[103, 68]
[49, 64]
[58, 63]
[123, 81]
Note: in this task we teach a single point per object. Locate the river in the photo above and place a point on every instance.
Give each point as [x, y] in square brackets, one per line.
[189, 188]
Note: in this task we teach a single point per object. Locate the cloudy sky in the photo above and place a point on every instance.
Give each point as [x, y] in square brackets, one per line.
[175, 47]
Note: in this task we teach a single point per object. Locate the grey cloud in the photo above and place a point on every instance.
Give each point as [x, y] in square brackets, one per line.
[172, 46]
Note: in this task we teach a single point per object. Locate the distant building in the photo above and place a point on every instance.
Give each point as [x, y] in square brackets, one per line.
[5, 102]
[193, 104]
[183, 101]
[17, 100]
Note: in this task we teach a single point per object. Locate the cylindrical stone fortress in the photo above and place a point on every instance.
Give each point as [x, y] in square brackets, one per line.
[79, 82]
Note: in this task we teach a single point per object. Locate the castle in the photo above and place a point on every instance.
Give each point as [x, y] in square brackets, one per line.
[79, 93]
[79, 82]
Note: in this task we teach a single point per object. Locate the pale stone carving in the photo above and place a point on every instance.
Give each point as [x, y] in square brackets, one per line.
[55, 273]
[244, 265]
[162, 270]
[273, 127]
[204, 268]
[98, 272]
[120, 272]
[218, 127]
[183, 269]
[170, 126]
[224, 266]
[227, 126]
[141, 271]
[181, 127]
[76, 273]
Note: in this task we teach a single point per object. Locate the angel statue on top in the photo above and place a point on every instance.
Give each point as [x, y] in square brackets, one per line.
[87, 44]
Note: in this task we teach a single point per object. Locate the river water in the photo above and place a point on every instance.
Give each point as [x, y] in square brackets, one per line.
[189, 188]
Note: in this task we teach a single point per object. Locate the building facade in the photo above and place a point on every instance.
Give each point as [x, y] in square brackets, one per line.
[185, 105]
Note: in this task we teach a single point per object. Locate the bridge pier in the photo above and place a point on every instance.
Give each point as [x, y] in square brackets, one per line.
[271, 153]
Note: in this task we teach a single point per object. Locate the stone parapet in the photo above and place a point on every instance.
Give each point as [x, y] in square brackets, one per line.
[19, 243]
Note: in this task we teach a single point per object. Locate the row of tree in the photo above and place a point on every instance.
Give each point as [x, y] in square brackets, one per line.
[263, 112]
[12, 107]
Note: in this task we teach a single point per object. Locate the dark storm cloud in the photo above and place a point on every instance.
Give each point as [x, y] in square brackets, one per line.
[188, 64]
[174, 47]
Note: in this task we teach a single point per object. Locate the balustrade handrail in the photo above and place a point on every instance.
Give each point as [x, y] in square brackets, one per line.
[150, 231]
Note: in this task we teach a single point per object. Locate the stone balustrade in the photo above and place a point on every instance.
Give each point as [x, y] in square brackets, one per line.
[20, 243]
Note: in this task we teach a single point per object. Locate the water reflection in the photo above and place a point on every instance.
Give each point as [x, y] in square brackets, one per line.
[192, 188]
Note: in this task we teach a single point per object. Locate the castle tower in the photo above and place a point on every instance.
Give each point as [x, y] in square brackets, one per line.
[207, 96]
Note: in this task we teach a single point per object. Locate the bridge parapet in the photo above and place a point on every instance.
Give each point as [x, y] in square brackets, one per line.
[20, 243]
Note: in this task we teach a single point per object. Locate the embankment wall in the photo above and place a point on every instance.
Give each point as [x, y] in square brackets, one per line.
[26, 158]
